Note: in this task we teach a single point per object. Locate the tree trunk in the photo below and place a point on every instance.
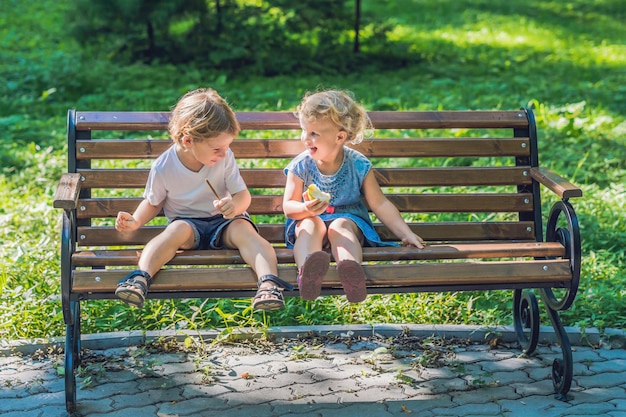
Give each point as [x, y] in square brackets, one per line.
[218, 11]
[150, 33]
[357, 24]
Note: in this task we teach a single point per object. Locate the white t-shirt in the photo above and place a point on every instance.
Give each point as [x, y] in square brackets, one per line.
[185, 192]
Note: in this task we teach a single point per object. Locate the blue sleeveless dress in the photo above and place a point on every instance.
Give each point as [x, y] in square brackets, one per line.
[344, 186]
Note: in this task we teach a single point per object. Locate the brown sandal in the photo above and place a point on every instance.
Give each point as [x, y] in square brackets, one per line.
[276, 300]
[132, 290]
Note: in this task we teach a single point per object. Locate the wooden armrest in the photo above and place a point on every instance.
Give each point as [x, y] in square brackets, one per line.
[66, 196]
[556, 183]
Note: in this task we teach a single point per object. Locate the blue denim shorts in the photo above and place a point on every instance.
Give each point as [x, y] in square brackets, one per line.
[208, 230]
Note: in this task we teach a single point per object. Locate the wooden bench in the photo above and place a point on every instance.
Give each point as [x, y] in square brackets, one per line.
[468, 182]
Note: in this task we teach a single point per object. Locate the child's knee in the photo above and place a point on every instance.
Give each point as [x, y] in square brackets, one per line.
[180, 228]
[311, 225]
[342, 226]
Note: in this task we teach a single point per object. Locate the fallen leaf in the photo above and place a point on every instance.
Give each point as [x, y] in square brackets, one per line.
[493, 343]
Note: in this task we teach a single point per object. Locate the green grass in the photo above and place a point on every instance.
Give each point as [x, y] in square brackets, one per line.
[567, 59]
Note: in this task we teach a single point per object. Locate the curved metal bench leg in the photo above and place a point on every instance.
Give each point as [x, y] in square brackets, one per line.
[563, 227]
[526, 316]
[72, 357]
[562, 370]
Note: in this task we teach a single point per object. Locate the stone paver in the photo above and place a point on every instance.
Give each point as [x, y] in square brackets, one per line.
[344, 376]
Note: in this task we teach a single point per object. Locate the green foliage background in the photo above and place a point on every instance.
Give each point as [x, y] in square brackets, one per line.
[567, 59]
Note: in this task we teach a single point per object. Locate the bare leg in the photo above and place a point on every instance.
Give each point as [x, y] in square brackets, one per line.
[260, 255]
[346, 242]
[256, 251]
[133, 288]
[310, 235]
[312, 262]
[162, 248]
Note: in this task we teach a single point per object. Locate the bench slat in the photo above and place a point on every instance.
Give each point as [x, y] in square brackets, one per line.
[272, 204]
[111, 120]
[285, 256]
[453, 176]
[275, 178]
[448, 119]
[289, 148]
[462, 203]
[528, 273]
[465, 231]
[432, 231]
[443, 147]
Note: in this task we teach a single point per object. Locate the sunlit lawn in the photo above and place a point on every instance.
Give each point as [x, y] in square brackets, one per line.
[566, 59]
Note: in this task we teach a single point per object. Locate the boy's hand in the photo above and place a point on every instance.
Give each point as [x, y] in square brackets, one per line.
[226, 207]
[125, 222]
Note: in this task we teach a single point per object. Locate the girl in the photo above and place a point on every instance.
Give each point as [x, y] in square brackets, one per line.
[330, 120]
[202, 127]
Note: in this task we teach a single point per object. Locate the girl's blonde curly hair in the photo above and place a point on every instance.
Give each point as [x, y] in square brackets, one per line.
[340, 108]
[202, 114]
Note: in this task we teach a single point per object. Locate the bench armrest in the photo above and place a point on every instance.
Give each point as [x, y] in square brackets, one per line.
[66, 196]
[556, 183]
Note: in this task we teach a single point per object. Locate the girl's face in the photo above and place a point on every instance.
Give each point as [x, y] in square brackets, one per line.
[322, 138]
[206, 152]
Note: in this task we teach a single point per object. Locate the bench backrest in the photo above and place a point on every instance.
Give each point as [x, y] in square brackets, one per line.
[457, 176]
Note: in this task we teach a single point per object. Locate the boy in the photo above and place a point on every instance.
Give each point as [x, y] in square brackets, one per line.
[202, 127]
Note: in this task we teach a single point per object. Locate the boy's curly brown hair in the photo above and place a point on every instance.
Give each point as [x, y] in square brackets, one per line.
[202, 114]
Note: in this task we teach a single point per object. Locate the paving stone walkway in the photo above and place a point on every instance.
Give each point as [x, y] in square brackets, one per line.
[350, 371]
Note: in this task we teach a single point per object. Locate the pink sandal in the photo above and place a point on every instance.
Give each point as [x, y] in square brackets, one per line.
[311, 275]
[353, 279]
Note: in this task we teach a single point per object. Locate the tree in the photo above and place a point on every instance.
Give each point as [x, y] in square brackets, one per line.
[269, 37]
[138, 28]
[357, 25]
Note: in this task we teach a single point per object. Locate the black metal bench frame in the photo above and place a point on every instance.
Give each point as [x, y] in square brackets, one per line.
[551, 265]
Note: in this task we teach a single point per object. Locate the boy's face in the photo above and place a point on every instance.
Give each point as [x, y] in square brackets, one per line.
[209, 151]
